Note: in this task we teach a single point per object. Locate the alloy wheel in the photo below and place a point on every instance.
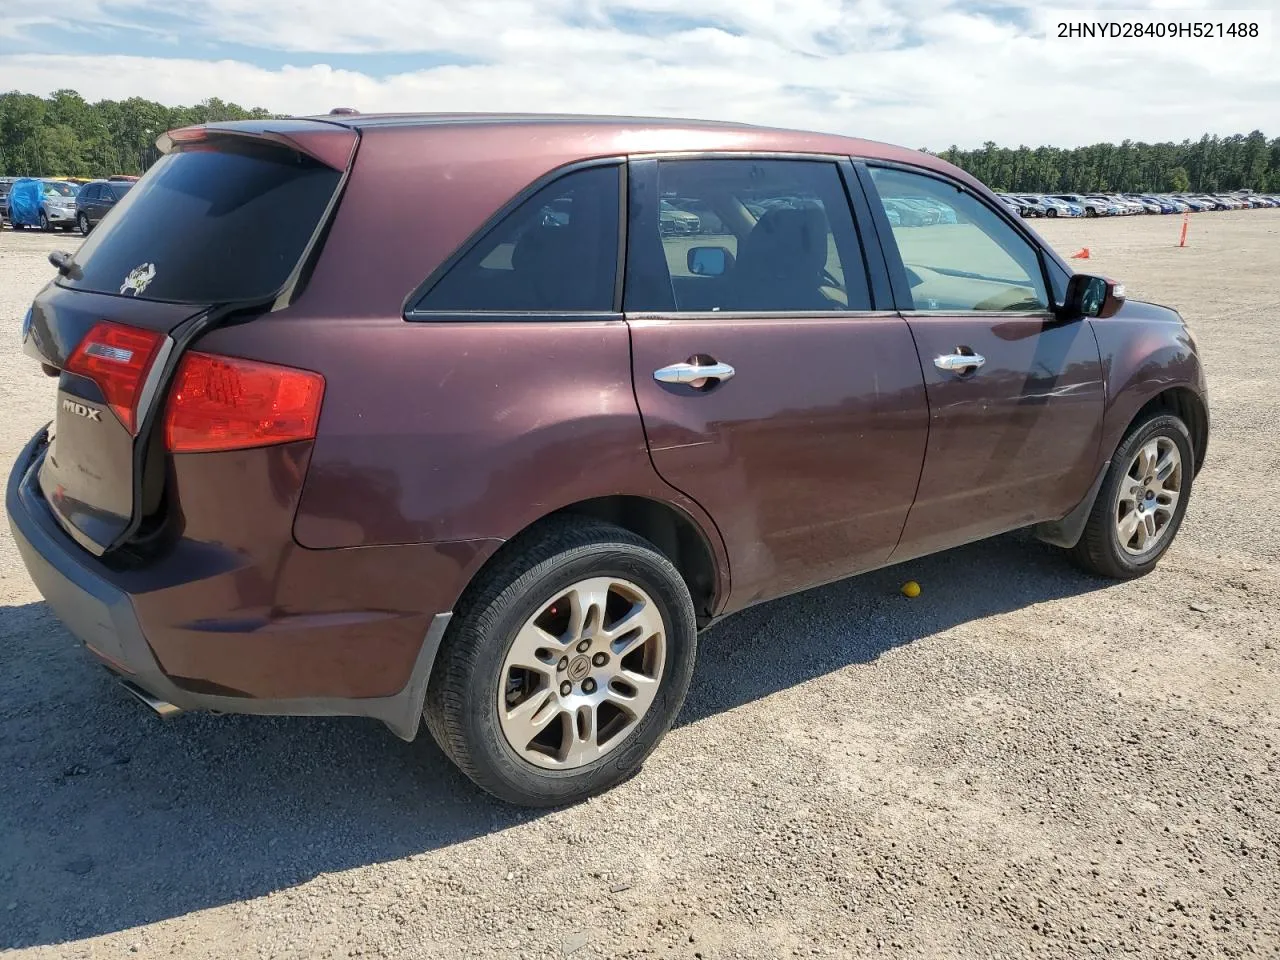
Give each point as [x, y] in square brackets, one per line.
[581, 673]
[1148, 496]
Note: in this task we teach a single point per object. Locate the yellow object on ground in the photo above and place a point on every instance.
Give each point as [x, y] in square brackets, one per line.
[911, 589]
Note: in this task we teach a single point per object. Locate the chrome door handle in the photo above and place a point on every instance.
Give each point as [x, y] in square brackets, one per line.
[691, 372]
[959, 361]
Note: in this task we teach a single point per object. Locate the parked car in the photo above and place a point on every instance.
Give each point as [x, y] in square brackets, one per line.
[1033, 206]
[673, 220]
[1091, 206]
[1161, 204]
[47, 204]
[96, 199]
[445, 461]
[5, 184]
[1055, 207]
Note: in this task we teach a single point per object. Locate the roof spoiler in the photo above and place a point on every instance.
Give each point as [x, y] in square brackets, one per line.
[328, 143]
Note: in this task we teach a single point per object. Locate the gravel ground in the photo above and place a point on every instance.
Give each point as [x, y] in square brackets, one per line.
[1023, 761]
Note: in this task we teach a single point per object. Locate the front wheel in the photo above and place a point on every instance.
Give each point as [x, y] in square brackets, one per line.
[564, 666]
[1051, 212]
[1142, 501]
[45, 225]
[83, 223]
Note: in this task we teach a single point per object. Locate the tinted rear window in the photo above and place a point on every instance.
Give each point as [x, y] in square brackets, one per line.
[209, 226]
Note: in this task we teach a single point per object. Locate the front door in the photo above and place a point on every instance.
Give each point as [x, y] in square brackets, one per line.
[771, 391]
[1015, 395]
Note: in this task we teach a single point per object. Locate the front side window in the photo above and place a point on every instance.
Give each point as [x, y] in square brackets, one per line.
[959, 254]
[746, 235]
[90, 192]
[555, 253]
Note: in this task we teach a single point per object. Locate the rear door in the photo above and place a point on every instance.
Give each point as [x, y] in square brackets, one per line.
[1015, 394]
[223, 219]
[774, 387]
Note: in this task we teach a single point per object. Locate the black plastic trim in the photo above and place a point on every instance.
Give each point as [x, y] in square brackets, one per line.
[1068, 531]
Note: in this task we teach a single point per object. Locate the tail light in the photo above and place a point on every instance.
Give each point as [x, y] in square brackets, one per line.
[117, 358]
[226, 403]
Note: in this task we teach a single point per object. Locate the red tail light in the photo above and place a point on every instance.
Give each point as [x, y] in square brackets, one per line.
[226, 403]
[117, 359]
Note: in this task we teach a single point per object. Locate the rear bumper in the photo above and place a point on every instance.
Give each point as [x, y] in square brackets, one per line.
[102, 614]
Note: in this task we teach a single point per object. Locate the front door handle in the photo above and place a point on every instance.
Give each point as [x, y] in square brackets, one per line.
[959, 362]
[693, 372]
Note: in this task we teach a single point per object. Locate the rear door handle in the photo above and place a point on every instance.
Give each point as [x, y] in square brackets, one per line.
[692, 372]
[955, 362]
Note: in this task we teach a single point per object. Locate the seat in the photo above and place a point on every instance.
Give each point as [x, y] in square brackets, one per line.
[551, 264]
[781, 262]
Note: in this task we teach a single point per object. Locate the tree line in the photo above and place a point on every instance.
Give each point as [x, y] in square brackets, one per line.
[64, 135]
[1210, 165]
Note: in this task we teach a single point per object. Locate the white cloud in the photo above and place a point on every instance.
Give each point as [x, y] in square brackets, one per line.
[917, 72]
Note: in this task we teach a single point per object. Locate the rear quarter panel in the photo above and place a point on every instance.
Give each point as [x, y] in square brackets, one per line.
[452, 431]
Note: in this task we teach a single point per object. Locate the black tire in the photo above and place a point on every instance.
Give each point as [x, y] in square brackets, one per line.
[1051, 212]
[45, 225]
[461, 709]
[1099, 550]
[1090, 212]
[82, 221]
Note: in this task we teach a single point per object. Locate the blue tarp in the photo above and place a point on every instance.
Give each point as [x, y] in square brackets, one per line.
[25, 196]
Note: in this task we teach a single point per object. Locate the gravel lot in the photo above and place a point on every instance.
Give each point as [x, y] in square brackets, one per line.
[1023, 761]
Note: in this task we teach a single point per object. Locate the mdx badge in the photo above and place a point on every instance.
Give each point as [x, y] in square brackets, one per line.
[80, 410]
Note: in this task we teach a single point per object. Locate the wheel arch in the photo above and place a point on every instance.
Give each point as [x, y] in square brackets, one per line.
[1186, 405]
[672, 531]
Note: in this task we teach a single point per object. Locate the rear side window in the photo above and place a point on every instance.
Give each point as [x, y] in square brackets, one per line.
[118, 190]
[746, 235]
[208, 226]
[90, 192]
[557, 252]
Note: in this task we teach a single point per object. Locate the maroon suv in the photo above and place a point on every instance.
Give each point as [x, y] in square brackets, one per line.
[483, 417]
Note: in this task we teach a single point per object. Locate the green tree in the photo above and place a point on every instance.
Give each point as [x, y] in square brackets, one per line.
[1177, 180]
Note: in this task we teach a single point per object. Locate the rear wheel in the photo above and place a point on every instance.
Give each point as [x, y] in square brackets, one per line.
[565, 666]
[1142, 501]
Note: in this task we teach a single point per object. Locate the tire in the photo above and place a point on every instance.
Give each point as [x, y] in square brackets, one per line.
[1100, 549]
[82, 221]
[45, 225]
[463, 698]
[1052, 213]
[1090, 212]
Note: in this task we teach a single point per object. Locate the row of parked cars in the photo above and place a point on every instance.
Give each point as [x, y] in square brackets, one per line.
[48, 203]
[1127, 204]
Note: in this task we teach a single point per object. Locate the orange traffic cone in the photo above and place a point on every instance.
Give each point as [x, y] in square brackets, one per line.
[1081, 254]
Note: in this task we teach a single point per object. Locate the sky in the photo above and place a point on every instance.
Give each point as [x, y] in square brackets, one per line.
[922, 73]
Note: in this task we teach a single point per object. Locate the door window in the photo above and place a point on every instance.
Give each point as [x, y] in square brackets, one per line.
[745, 235]
[90, 193]
[959, 254]
[557, 252]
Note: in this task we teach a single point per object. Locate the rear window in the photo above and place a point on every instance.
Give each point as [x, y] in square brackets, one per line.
[208, 226]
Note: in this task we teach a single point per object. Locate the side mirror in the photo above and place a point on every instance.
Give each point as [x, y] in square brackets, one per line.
[709, 261]
[1092, 296]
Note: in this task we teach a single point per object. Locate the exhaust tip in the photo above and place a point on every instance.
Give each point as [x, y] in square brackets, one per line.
[162, 708]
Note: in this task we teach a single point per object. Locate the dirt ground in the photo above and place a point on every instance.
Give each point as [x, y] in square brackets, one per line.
[1023, 761]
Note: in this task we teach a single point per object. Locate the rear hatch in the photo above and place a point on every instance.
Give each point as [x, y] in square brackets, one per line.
[224, 224]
